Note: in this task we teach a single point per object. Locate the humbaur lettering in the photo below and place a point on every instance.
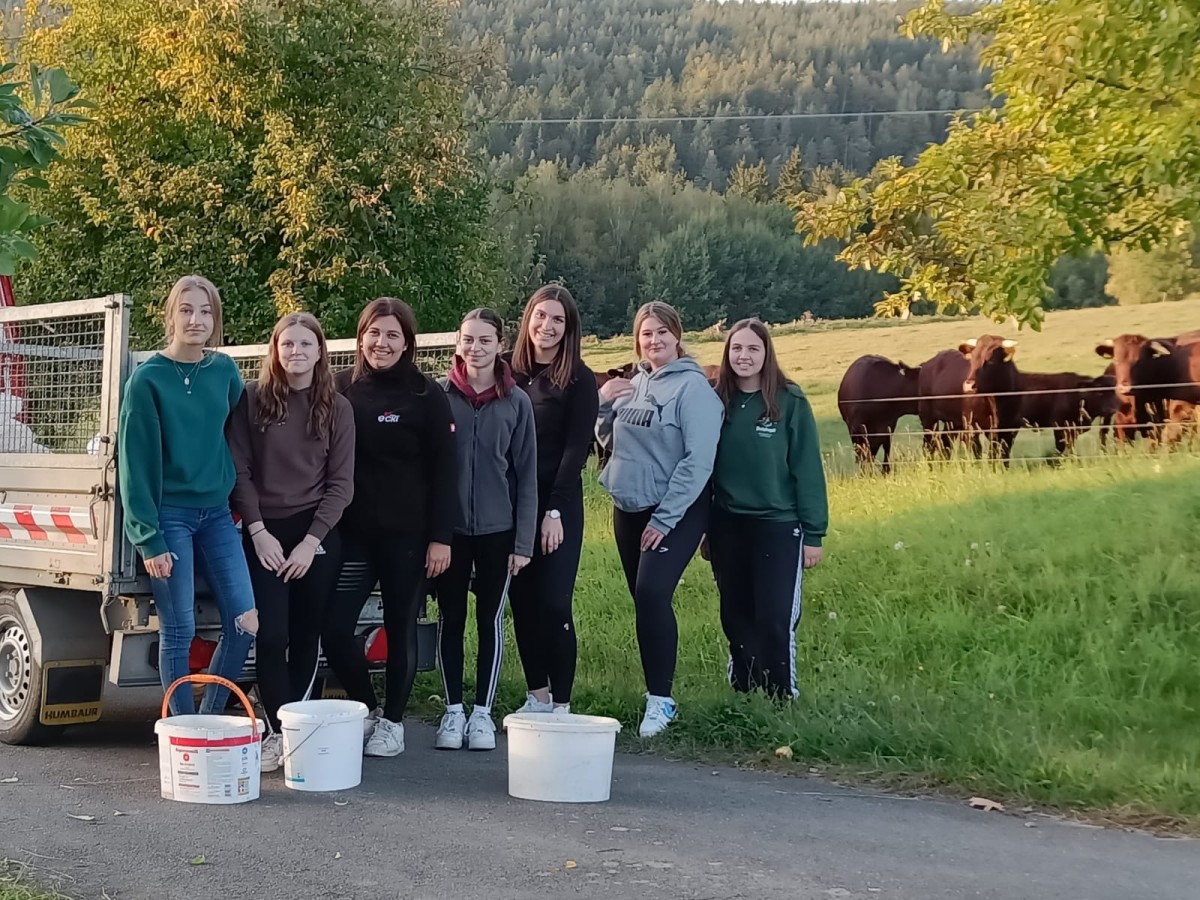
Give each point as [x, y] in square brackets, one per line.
[765, 429]
[390, 418]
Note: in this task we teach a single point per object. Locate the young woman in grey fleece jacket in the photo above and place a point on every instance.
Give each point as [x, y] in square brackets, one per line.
[662, 428]
[497, 478]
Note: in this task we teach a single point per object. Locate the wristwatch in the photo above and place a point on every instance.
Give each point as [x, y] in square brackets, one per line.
[554, 513]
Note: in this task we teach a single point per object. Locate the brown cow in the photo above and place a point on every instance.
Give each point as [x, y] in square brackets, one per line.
[940, 400]
[993, 402]
[875, 392]
[711, 373]
[1157, 379]
[602, 378]
[1066, 402]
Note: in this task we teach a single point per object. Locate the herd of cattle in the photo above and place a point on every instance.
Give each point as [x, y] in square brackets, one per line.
[976, 395]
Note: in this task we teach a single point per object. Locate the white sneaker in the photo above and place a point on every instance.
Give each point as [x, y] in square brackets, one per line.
[481, 732]
[387, 739]
[272, 753]
[534, 705]
[450, 732]
[563, 710]
[660, 712]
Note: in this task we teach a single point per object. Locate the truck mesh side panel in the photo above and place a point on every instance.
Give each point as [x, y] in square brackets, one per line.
[51, 374]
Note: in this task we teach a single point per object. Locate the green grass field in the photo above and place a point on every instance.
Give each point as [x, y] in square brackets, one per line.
[1030, 634]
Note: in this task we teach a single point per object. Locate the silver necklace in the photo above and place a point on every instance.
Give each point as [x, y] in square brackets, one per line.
[187, 379]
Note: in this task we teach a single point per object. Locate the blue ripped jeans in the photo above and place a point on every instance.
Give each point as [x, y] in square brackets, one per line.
[206, 539]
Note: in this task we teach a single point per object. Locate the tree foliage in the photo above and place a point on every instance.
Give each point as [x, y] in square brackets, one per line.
[301, 153]
[1170, 271]
[1095, 147]
[35, 113]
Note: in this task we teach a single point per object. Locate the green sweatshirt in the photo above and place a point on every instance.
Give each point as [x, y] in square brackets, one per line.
[171, 448]
[773, 470]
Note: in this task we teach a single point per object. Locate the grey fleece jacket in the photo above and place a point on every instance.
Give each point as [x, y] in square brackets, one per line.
[663, 439]
[497, 466]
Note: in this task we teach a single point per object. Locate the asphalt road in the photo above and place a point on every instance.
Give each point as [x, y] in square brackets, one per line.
[431, 825]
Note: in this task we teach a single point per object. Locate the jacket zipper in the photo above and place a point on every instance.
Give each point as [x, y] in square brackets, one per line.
[474, 453]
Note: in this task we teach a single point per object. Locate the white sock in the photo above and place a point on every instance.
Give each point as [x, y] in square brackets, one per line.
[663, 699]
[481, 710]
[454, 707]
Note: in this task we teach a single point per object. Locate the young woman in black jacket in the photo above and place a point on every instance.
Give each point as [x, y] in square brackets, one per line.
[546, 363]
[397, 530]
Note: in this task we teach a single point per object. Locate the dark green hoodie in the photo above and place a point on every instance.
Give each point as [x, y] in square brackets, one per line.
[772, 470]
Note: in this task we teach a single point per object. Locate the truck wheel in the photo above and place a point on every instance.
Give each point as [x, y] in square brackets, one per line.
[20, 678]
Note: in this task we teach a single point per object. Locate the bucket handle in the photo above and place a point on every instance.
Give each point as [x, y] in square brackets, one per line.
[211, 679]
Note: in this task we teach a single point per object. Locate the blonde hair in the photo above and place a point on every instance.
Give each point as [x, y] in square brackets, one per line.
[666, 314]
[204, 286]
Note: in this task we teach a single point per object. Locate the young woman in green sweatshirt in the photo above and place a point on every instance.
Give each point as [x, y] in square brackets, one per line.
[175, 475]
[769, 511]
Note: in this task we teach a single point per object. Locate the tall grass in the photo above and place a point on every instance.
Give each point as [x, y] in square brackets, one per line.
[1032, 633]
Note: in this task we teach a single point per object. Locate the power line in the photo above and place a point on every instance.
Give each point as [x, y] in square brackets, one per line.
[748, 117]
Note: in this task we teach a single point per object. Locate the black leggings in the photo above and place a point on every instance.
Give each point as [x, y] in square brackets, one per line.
[397, 564]
[486, 555]
[541, 605]
[652, 578]
[758, 568]
[290, 614]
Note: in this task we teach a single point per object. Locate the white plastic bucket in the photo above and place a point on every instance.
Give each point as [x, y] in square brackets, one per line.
[560, 758]
[209, 759]
[322, 744]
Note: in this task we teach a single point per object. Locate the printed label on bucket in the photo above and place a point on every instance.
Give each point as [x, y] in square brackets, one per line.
[212, 770]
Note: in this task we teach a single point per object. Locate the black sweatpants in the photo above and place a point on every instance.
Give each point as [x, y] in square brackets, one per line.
[652, 578]
[486, 557]
[541, 597]
[758, 566]
[397, 565]
[290, 614]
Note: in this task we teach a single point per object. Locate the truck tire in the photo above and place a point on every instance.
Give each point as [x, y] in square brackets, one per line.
[20, 679]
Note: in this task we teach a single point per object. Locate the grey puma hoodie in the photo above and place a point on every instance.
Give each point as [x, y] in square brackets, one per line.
[663, 439]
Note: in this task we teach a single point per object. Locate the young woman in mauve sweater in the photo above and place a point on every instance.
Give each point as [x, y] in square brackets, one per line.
[292, 438]
[769, 511]
[546, 363]
[397, 530]
[175, 473]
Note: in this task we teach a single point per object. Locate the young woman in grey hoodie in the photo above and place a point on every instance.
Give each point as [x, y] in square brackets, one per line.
[493, 541]
[662, 428]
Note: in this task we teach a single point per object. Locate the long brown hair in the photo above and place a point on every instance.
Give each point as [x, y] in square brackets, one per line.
[273, 384]
[666, 314]
[202, 285]
[483, 314]
[774, 379]
[569, 351]
[381, 308]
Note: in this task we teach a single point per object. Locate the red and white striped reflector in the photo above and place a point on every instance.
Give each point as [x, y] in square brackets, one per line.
[54, 524]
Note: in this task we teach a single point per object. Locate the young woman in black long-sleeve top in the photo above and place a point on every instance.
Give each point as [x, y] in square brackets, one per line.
[546, 363]
[397, 530]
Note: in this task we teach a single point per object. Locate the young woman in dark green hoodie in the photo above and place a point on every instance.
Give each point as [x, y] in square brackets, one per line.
[175, 474]
[769, 511]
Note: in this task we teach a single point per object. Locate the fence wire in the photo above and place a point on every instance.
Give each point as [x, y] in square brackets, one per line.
[1109, 389]
[51, 380]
